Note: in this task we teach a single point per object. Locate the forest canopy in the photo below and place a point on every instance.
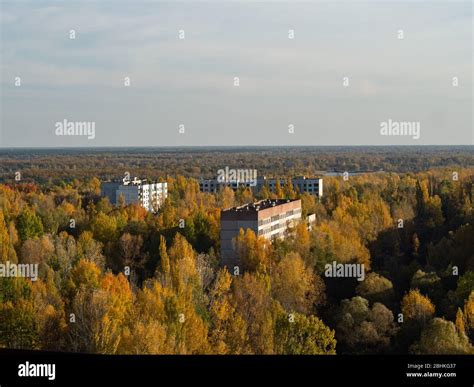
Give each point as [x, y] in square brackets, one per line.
[119, 279]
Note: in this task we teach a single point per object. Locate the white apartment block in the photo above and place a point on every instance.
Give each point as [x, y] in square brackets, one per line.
[302, 184]
[150, 196]
[270, 219]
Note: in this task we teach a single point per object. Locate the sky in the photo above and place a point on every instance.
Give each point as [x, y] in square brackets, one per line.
[345, 73]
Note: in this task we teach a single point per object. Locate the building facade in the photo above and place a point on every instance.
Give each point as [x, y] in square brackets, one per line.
[302, 184]
[271, 218]
[150, 196]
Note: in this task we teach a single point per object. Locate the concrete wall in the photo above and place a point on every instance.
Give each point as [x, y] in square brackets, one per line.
[229, 231]
[108, 189]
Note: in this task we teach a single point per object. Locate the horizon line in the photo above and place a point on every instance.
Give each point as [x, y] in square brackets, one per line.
[2, 148]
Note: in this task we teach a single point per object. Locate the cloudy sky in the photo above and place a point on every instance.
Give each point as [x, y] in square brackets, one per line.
[190, 81]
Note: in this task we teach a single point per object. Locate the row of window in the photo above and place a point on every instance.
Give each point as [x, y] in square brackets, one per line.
[293, 212]
[268, 231]
[277, 226]
[287, 214]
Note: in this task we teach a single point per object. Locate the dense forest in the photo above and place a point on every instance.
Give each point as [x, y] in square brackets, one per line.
[120, 280]
[52, 165]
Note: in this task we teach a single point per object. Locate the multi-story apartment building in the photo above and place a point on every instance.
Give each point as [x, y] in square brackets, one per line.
[148, 195]
[270, 219]
[313, 186]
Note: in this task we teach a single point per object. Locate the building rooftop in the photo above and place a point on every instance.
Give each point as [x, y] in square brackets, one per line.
[135, 182]
[258, 206]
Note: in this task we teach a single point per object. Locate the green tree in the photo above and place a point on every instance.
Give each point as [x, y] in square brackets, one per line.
[440, 337]
[104, 227]
[363, 329]
[18, 328]
[29, 225]
[465, 286]
[303, 335]
[376, 288]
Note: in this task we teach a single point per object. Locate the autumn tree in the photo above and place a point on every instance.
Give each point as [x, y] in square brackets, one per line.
[244, 195]
[288, 190]
[280, 194]
[302, 240]
[460, 321]
[253, 302]
[7, 251]
[104, 227]
[49, 313]
[429, 213]
[182, 296]
[465, 286]
[295, 286]
[429, 284]
[84, 275]
[331, 243]
[199, 231]
[131, 253]
[90, 249]
[417, 307]
[182, 259]
[252, 251]
[265, 192]
[228, 334]
[364, 329]
[376, 288]
[468, 315]
[297, 334]
[440, 337]
[174, 326]
[226, 198]
[164, 268]
[18, 327]
[38, 250]
[100, 315]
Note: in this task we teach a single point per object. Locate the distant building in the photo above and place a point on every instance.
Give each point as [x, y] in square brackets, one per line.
[302, 184]
[208, 185]
[148, 195]
[268, 218]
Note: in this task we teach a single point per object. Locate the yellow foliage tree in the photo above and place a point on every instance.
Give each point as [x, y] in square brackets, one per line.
[252, 251]
[469, 313]
[228, 333]
[417, 307]
[295, 286]
[303, 242]
[7, 252]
